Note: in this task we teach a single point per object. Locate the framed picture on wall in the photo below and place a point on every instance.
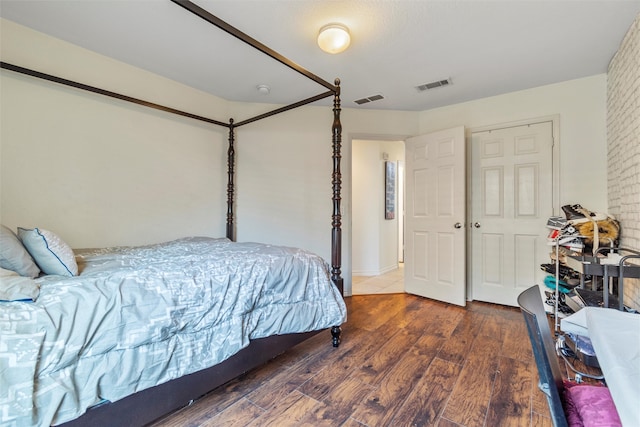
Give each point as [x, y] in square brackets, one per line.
[389, 190]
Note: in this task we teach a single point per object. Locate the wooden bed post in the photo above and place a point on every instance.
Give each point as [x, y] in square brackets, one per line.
[336, 180]
[230, 185]
[336, 219]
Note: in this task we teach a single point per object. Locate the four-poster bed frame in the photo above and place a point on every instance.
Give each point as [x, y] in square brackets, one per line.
[148, 405]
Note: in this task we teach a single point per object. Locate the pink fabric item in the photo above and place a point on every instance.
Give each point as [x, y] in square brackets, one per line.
[593, 404]
[570, 409]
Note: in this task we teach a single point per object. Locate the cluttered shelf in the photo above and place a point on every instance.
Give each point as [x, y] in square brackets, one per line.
[585, 292]
[587, 268]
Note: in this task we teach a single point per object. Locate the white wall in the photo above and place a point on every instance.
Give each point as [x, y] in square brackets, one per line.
[284, 180]
[96, 170]
[101, 172]
[581, 105]
[367, 207]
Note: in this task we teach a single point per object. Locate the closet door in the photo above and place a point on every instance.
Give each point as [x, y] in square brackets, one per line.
[511, 199]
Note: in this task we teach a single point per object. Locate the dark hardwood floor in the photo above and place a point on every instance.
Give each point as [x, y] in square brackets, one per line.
[403, 361]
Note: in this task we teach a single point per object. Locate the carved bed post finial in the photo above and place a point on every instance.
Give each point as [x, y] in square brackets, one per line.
[230, 185]
[336, 181]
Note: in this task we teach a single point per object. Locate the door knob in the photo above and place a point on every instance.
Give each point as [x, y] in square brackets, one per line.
[457, 225]
[476, 225]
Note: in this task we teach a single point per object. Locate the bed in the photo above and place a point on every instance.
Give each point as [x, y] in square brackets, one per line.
[137, 317]
[46, 371]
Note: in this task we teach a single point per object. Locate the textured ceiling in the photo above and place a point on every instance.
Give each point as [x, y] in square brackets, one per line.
[485, 47]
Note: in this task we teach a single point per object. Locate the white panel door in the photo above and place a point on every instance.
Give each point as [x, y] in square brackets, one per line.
[435, 216]
[511, 200]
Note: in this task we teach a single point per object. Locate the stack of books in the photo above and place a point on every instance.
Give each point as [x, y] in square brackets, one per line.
[562, 233]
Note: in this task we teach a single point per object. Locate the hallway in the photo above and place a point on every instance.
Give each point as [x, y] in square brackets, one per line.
[388, 283]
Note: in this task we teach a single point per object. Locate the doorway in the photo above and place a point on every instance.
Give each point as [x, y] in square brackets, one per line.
[484, 259]
[377, 235]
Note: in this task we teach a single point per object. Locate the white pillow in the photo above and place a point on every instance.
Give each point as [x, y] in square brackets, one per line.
[49, 251]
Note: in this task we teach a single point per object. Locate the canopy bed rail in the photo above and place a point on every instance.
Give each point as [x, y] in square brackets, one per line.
[99, 91]
[151, 403]
[212, 19]
[336, 234]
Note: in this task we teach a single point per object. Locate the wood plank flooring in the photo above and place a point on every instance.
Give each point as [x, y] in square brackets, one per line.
[403, 361]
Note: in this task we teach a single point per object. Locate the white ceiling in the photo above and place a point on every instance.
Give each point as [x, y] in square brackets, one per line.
[485, 47]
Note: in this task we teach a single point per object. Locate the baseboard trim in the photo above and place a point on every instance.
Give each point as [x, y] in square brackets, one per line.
[375, 272]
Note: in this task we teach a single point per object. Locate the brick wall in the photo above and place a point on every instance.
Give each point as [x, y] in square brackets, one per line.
[623, 139]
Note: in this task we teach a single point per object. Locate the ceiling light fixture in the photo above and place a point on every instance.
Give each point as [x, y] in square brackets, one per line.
[334, 38]
[263, 89]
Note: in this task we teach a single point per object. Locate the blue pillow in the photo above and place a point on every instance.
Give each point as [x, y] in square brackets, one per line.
[49, 251]
[14, 256]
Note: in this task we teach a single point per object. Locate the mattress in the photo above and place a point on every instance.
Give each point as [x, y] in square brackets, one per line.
[136, 317]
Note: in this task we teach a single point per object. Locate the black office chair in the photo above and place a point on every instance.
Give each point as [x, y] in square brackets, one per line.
[551, 380]
[530, 302]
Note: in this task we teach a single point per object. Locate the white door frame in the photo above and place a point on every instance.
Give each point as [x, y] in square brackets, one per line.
[400, 207]
[555, 167]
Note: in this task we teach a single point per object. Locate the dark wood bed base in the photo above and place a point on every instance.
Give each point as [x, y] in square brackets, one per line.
[148, 405]
[151, 404]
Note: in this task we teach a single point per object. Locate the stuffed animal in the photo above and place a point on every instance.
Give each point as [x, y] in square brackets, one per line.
[606, 234]
[595, 228]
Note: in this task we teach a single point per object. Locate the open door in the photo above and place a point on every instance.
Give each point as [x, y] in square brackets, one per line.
[435, 216]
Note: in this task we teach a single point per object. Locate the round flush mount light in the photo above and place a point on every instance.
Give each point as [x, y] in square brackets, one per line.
[263, 89]
[334, 38]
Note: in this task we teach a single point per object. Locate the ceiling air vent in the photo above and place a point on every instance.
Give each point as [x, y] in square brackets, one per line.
[368, 99]
[433, 85]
